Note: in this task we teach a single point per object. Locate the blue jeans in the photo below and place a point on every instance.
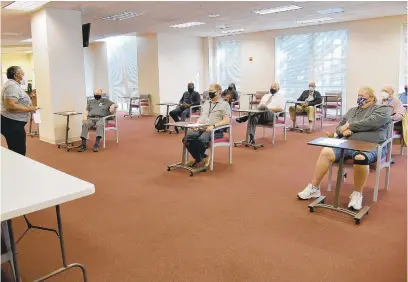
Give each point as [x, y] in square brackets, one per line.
[349, 154]
[182, 112]
[197, 142]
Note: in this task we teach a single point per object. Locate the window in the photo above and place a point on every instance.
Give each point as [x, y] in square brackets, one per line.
[404, 59]
[228, 63]
[122, 69]
[319, 57]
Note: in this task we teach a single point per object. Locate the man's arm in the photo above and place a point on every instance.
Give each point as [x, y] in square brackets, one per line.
[399, 111]
[403, 98]
[280, 105]
[342, 122]
[197, 99]
[317, 100]
[379, 117]
[302, 96]
[182, 99]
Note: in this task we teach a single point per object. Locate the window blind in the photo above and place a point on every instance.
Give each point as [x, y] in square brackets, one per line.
[228, 63]
[319, 57]
[404, 58]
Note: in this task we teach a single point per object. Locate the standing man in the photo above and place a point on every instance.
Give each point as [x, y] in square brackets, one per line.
[97, 109]
[404, 95]
[215, 112]
[273, 102]
[310, 97]
[189, 98]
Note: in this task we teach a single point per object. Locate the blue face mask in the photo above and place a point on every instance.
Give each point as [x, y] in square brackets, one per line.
[361, 101]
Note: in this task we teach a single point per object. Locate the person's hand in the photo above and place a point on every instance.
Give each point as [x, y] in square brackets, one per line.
[209, 128]
[32, 109]
[304, 105]
[344, 127]
[347, 133]
[329, 134]
[187, 105]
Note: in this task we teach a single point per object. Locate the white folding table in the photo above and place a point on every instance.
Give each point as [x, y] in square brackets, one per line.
[38, 188]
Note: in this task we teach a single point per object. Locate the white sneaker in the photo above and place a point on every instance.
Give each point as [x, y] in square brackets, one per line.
[356, 201]
[309, 192]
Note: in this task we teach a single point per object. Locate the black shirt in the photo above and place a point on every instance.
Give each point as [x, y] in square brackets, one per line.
[192, 98]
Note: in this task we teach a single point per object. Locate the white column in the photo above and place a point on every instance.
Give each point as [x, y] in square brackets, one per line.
[59, 71]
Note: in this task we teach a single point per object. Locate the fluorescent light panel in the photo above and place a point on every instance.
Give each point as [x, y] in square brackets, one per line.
[233, 31]
[314, 20]
[277, 10]
[185, 25]
[25, 5]
[122, 16]
[27, 40]
[331, 11]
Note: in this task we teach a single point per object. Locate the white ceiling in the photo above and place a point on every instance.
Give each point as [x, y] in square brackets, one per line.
[159, 15]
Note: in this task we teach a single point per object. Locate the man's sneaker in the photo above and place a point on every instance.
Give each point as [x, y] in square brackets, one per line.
[81, 149]
[242, 119]
[191, 163]
[96, 148]
[356, 201]
[208, 161]
[309, 192]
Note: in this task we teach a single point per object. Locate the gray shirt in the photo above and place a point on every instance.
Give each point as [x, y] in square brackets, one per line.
[214, 112]
[369, 125]
[99, 107]
[12, 90]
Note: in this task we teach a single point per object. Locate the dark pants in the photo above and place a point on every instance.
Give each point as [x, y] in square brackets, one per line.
[182, 112]
[15, 134]
[261, 118]
[198, 141]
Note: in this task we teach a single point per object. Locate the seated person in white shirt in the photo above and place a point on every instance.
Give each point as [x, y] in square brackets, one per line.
[273, 102]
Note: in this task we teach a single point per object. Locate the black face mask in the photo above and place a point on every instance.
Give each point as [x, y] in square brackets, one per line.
[230, 88]
[97, 97]
[273, 91]
[212, 94]
[190, 89]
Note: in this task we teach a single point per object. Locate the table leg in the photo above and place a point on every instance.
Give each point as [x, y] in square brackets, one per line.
[13, 251]
[184, 157]
[130, 107]
[325, 105]
[66, 132]
[339, 179]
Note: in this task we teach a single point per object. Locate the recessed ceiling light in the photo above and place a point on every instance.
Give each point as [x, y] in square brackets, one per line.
[12, 34]
[213, 15]
[277, 10]
[331, 11]
[314, 20]
[25, 5]
[27, 40]
[122, 16]
[232, 31]
[189, 24]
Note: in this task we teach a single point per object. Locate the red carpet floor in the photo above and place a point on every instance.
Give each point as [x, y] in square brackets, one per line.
[241, 222]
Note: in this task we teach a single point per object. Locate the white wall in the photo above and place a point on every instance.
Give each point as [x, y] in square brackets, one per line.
[25, 61]
[373, 54]
[180, 61]
[96, 68]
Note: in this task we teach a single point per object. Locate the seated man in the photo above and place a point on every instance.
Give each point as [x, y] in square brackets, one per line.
[189, 98]
[396, 108]
[96, 109]
[367, 122]
[272, 103]
[230, 95]
[311, 98]
[404, 95]
[215, 112]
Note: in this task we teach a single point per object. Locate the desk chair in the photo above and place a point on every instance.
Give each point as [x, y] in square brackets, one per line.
[6, 254]
[378, 166]
[258, 98]
[194, 114]
[143, 101]
[277, 122]
[225, 141]
[111, 123]
[334, 103]
[318, 114]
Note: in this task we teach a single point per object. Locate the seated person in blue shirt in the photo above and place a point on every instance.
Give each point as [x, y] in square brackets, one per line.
[230, 95]
[367, 122]
[189, 98]
[215, 112]
[404, 95]
[96, 109]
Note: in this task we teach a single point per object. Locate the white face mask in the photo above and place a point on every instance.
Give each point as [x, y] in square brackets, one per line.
[311, 89]
[385, 95]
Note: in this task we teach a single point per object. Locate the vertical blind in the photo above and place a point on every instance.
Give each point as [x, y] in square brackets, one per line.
[319, 57]
[404, 58]
[228, 63]
[122, 68]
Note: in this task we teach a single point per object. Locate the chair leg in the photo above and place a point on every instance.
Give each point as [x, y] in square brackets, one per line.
[104, 139]
[387, 177]
[273, 135]
[330, 178]
[402, 146]
[230, 154]
[263, 132]
[377, 184]
[117, 135]
[212, 158]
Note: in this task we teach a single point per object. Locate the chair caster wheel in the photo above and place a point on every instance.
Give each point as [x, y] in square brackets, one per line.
[246, 145]
[255, 148]
[235, 145]
[58, 146]
[357, 221]
[311, 209]
[168, 169]
[67, 150]
[191, 174]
